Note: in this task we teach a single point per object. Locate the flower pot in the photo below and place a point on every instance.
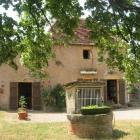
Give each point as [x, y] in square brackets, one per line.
[23, 115]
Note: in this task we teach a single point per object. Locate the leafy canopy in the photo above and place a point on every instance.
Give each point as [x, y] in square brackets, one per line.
[116, 30]
[114, 24]
[29, 38]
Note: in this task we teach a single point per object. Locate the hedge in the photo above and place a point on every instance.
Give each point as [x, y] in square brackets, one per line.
[94, 109]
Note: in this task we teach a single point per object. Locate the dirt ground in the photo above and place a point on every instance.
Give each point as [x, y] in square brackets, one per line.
[41, 117]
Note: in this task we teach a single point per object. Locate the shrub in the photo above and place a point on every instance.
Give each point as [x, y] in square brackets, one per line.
[54, 97]
[94, 109]
[47, 97]
[131, 89]
[58, 93]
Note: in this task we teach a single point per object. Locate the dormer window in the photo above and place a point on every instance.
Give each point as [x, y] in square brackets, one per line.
[86, 54]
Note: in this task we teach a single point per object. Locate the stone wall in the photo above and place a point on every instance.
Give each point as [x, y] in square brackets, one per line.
[70, 100]
[91, 126]
[64, 68]
[68, 62]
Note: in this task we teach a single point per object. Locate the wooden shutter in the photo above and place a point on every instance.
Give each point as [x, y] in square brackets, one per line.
[36, 95]
[122, 91]
[13, 95]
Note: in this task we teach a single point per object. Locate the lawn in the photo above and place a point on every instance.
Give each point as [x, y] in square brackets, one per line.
[123, 130]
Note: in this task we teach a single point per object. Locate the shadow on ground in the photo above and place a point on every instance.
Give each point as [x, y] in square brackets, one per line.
[117, 134]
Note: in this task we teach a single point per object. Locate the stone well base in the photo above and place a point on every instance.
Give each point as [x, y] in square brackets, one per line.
[91, 126]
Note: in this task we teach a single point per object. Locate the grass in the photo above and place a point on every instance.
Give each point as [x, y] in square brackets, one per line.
[123, 130]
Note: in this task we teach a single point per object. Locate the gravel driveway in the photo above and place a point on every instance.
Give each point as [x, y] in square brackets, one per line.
[127, 114]
[121, 114]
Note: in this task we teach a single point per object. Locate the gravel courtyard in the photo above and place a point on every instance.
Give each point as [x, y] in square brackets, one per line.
[34, 116]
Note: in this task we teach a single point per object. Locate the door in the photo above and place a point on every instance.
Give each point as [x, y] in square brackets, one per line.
[31, 91]
[25, 89]
[112, 90]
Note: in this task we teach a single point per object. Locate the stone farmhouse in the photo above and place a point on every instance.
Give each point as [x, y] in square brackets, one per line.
[76, 66]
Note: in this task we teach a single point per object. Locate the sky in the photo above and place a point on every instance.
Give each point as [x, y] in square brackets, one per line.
[13, 14]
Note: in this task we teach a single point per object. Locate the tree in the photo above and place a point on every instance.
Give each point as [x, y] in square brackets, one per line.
[114, 24]
[115, 28]
[28, 38]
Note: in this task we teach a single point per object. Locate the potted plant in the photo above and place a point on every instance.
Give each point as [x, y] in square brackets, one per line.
[22, 111]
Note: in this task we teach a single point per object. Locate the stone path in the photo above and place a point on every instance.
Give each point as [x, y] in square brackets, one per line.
[39, 117]
[121, 114]
[127, 114]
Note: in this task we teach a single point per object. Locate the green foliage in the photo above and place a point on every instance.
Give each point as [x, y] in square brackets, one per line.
[95, 109]
[116, 31]
[22, 102]
[28, 38]
[58, 93]
[54, 96]
[114, 24]
[47, 97]
[131, 89]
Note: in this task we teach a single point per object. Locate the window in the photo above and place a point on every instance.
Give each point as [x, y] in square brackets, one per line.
[86, 54]
[88, 96]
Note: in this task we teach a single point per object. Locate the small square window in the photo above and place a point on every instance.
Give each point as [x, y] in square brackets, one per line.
[86, 54]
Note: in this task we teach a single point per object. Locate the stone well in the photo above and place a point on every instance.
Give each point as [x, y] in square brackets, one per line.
[91, 126]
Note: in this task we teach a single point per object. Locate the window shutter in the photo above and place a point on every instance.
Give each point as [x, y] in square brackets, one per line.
[36, 95]
[13, 95]
[122, 91]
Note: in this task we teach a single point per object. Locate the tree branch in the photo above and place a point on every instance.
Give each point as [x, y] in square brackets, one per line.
[34, 17]
[118, 28]
[43, 13]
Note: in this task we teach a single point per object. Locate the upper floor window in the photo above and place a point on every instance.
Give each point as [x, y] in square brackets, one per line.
[86, 54]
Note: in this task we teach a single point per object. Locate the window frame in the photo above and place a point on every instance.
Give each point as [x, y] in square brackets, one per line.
[86, 56]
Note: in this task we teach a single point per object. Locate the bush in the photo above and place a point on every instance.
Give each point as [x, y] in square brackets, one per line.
[94, 109]
[54, 97]
[131, 89]
[47, 97]
[58, 93]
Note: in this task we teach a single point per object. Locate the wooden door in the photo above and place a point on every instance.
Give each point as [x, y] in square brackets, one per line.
[36, 96]
[112, 90]
[13, 95]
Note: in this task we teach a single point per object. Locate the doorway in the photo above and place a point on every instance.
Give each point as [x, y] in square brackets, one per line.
[112, 90]
[25, 89]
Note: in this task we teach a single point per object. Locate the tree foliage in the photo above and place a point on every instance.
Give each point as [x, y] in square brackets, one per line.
[114, 24]
[28, 37]
[116, 29]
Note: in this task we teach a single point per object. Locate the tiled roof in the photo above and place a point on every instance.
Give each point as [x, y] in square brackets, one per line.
[82, 35]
